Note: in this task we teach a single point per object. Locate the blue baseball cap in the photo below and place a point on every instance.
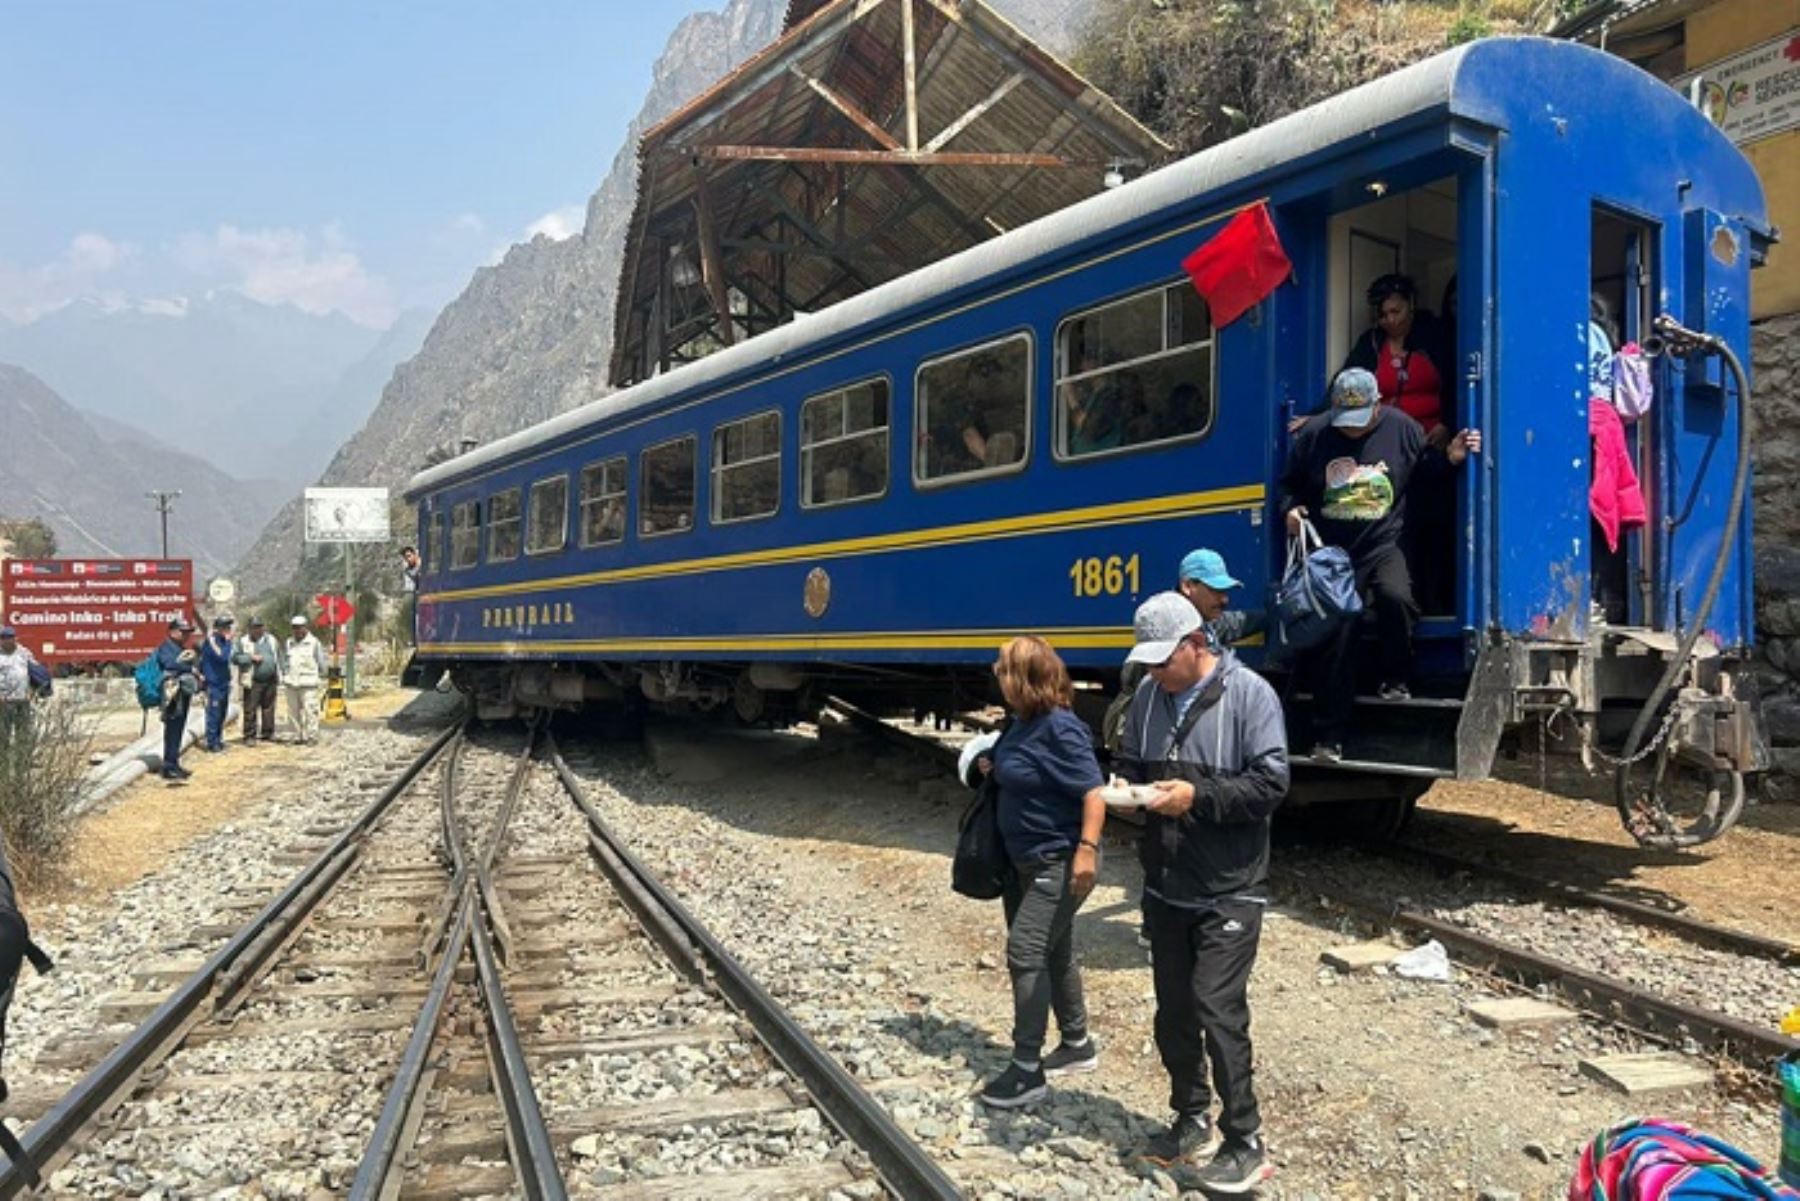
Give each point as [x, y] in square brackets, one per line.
[8, 632]
[1208, 567]
[1354, 398]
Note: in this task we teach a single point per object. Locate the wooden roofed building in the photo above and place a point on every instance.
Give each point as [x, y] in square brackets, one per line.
[872, 137]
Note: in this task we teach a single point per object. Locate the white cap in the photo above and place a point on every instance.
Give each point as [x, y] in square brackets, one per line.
[296, 620]
[1159, 625]
[972, 750]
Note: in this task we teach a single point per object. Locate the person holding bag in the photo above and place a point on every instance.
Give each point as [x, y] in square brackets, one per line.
[1049, 814]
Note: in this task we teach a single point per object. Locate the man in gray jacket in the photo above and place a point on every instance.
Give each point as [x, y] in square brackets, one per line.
[258, 659]
[1211, 738]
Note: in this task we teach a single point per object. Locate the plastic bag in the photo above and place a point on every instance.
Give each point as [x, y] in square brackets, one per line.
[1429, 962]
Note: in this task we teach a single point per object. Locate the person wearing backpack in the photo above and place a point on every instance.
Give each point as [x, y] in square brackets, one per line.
[1209, 736]
[302, 675]
[179, 665]
[258, 659]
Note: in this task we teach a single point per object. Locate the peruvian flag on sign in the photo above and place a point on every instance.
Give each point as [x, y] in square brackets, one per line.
[1239, 265]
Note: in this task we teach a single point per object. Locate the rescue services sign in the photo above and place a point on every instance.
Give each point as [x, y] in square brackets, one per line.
[94, 610]
[1753, 94]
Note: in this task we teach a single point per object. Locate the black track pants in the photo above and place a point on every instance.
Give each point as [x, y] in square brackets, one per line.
[1201, 965]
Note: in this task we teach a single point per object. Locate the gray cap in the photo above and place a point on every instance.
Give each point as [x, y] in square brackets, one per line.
[1160, 625]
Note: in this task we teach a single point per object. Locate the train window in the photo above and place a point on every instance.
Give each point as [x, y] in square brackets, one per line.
[844, 445]
[1134, 373]
[547, 524]
[666, 487]
[434, 543]
[974, 411]
[503, 526]
[746, 468]
[465, 535]
[603, 502]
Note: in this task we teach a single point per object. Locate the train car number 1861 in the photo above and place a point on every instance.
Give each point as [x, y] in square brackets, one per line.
[1104, 577]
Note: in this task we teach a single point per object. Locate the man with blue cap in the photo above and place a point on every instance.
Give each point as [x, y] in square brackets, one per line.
[1347, 471]
[1204, 580]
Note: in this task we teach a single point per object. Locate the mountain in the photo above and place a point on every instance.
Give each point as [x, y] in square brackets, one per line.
[220, 360]
[88, 479]
[531, 336]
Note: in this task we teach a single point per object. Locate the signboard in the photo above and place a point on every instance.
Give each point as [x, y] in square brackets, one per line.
[221, 591]
[94, 610]
[346, 514]
[334, 610]
[1753, 94]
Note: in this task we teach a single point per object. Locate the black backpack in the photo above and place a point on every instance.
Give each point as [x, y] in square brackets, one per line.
[981, 869]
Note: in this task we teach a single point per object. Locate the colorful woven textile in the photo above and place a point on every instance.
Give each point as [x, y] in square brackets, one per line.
[1655, 1159]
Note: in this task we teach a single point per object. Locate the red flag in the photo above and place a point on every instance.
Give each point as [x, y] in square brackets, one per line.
[1239, 265]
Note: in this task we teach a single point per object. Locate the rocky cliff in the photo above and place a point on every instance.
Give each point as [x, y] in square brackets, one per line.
[531, 336]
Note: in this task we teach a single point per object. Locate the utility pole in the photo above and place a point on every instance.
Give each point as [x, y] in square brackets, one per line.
[163, 501]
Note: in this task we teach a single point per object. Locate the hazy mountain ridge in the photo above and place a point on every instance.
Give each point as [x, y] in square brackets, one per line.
[88, 479]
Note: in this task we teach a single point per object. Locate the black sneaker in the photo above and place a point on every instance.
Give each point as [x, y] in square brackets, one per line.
[1015, 1087]
[1240, 1165]
[1394, 692]
[1067, 1060]
[1328, 752]
[1188, 1138]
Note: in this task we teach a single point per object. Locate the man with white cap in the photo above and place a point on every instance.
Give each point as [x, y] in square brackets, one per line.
[302, 676]
[1348, 469]
[1210, 737]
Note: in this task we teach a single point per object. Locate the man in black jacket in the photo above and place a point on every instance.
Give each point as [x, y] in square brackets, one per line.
[1211, 738]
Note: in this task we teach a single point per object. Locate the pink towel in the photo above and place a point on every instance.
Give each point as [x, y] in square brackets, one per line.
[1614, 497]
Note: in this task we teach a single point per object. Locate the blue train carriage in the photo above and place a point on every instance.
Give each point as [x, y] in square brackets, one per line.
[866, 501]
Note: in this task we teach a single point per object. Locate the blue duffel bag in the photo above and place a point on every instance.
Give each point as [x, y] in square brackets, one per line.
[1317, 594]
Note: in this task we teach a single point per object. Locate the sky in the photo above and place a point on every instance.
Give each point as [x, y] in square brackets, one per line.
[348, 157]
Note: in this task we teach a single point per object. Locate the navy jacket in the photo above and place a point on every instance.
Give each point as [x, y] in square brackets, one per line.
[215, 665]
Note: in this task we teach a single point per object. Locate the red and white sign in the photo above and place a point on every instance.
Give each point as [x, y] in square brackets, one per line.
[94, 610]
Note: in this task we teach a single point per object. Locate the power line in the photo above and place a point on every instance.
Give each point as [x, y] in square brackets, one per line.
[164, 500]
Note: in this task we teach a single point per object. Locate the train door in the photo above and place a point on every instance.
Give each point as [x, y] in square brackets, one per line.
[1623, 580]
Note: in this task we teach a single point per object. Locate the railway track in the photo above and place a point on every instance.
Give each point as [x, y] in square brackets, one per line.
[497, 1018]
[1588, 947]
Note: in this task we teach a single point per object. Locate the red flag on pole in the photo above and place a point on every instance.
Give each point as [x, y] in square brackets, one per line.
[1239, 265]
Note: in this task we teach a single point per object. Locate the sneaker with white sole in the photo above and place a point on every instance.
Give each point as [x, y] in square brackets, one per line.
[1394, 692]
[1328, 752]
[1015, 1087]
[1070, 1060]
[1240, 1165]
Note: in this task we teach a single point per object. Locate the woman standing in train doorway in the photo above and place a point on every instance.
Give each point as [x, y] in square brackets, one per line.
[1400, 350]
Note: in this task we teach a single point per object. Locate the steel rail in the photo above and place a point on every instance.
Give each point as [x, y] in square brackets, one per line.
[527, 1134]
[240, 957]
[1724, 937]
[1612, 1000]
[904, 1167]
[384, 1149]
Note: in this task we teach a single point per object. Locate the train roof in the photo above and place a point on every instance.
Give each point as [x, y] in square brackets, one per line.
[1483, 81]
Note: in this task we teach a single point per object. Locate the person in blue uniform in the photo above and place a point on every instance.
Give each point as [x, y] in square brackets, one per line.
[216, 673]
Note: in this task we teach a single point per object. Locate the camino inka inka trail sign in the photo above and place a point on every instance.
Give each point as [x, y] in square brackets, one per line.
[347, 515]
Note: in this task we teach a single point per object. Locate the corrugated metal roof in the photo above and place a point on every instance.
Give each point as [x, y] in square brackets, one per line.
[797, 234]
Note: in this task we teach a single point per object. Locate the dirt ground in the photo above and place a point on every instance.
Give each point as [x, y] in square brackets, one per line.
[132, 833]
[1746, 878]
[1372, 1086]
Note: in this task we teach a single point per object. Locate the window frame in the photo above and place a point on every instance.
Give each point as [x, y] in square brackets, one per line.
[643, 491]
[800, 447]
[519, 520]
[1057, 417]
[714, 469]
[562, 537]
[435, 525]
[475, 559]
[1029, 335]
[624, 495]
